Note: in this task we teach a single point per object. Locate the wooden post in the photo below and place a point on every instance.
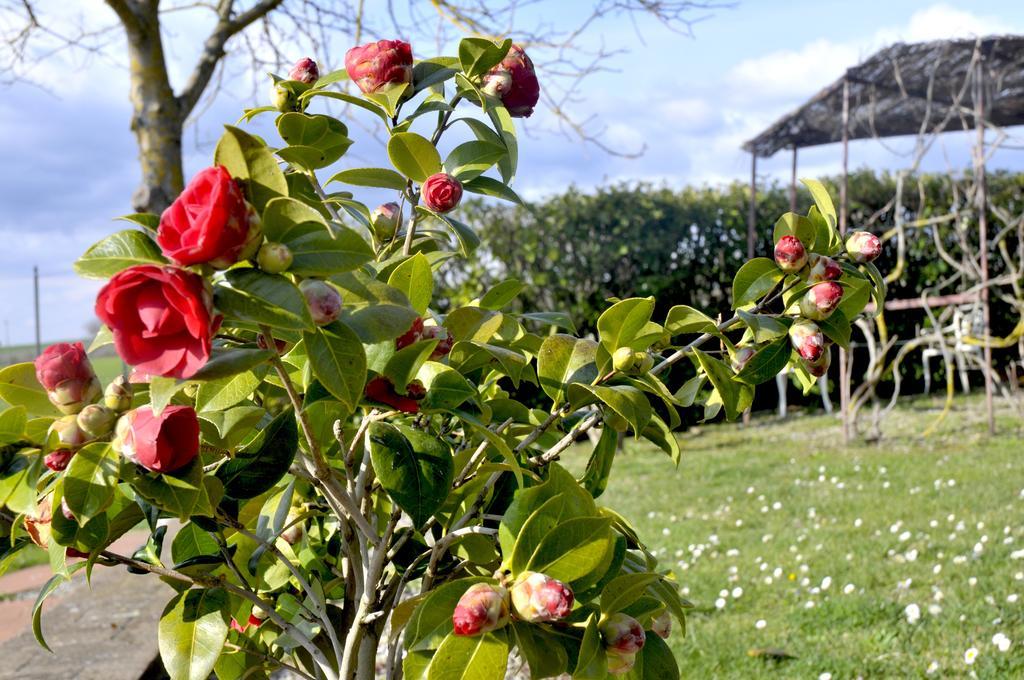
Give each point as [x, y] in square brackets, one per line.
[982, 207]
[752, 213]
[792, 183]
[845, 361]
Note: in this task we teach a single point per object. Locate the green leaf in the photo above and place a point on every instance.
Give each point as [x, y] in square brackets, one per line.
[413, 155]
[599, 466]
[404, 364]
[659, 434]
[44, 592]
[469, 160]
[223, 393]
[792, 224]
[318, 249]
[224, 363]
[767, 362]
[476, 657]
[389, 97]
[559, 319]
[374, 310]
[837, 328]
[764, 327]
[192, 631]
[754, 280]
[654, 662]
[446, 388]
[271, 299]
[147, 221]
[90, 480]
[432, 72]
[683, 319]
[505, 125]
[161, 391]
[625, 400]
[117, 252]
[564, 360]
[314, 141]
[501, 294]
[488, 186]
[190, 542]
[477, 56]
[574, 549]
[545, 660]
[248, 159]
[264, 461]
[856, 294]
[226, 428]
[19, 387]
[13, 422]
[331, 78]
[19, 479]
[591, 662]
[181, 493]
[338, 361]
[542, 522]
[414, 278]
[823, 201]
[382, 178]
[348, 99]
[624, 590]
[627, 323]
[735, 397]
[413, 466]
[527, 501]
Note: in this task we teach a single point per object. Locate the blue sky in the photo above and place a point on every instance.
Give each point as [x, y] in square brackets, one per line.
[70, 157]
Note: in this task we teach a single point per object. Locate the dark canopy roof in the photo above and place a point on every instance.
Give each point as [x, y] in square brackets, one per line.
[904, 88]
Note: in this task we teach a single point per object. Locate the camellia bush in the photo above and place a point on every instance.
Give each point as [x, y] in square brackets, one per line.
[346, 482]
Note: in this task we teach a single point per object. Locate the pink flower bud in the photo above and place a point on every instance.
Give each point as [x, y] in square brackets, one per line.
[515, 82]
[790, 254]
[444, 341]
[823, 268]
[66, 433]
[65, 510]
[323, 300]
[819, 366]
[441, 192]
[385, 220]
[280, 345]
[163, 443]
[415, 390]
[305, 71]
[622, 634]
[807, 339]
[536, 598]
[741, 356]
[481, 609]
[863, 246]
[118, 395]
[662, 626]
[96, 421]
[67, 376]
[58, 460]
[375, 65]
[821, 300]
[274, 258]
[253, 621]
[619, 663]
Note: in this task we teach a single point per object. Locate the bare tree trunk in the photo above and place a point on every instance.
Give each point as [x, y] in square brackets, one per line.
[156, 114]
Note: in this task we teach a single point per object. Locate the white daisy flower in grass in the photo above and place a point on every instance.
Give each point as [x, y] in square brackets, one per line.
[970, 656]
[849, 588]
[1001, 642]
[761, 623]
[932, 669]
[913, 613]
[825, 676]
[720, 603]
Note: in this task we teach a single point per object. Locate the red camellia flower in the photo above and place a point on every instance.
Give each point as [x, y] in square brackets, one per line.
[821, 300]
[863, 246]
[58, 460]
[162, 443]
[807, 339]
[161, 317]
[382, 390]
[623, 634]
[515, 83]
[537, 598]
[481, 609]
[418, 332]
[209, 222]
[441, 192]
[374, 65]
[823, 268]
[66, 374]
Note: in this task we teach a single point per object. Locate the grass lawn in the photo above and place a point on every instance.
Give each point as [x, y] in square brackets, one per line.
[785, 540]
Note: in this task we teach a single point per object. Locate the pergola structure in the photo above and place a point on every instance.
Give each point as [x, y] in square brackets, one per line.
[921, 89]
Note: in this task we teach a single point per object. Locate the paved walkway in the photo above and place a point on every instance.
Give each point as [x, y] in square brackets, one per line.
[106, 632]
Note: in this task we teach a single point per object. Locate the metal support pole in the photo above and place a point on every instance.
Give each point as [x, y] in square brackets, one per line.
[845, 361]
[792, 184]
[35, 291]
[752, 213]
[982, 207]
